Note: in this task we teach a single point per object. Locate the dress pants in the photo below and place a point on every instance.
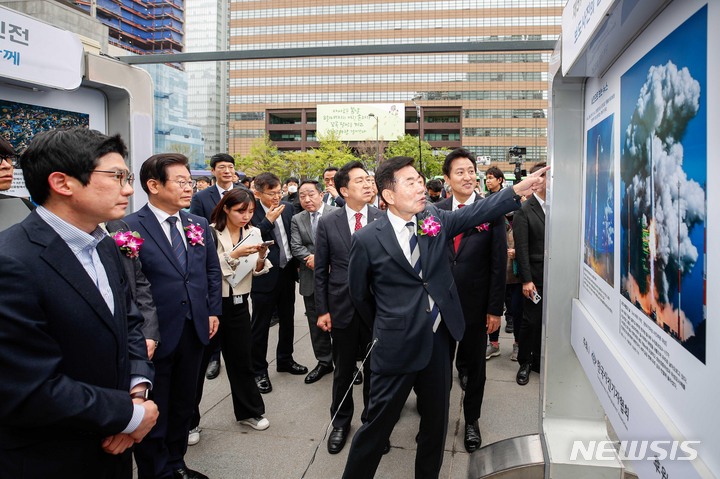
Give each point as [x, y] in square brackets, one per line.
[212, 350]
[237, 352]
[176, 374]
[319, 339]
[388, 394]
[282, 297]
[345, 344]
[472, 346]
[531, 333]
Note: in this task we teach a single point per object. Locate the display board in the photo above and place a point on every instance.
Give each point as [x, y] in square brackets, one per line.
[649, 216]
[353, 122]
[23, 113]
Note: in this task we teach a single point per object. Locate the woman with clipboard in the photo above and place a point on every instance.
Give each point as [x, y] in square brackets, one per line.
[242, 255]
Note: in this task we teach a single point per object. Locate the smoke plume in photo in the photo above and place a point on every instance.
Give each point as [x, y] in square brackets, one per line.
[664, 205]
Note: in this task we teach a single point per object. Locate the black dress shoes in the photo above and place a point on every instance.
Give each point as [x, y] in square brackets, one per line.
[292, 367]
[463, 380]
[213, 370]
[386, 449]
[185, 473]
[523, 374]
[337, 439]
[472, 437]
[359, 378]
[263, 383]
[317, 373]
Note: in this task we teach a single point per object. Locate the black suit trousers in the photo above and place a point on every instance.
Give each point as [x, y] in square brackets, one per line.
[237, 351]
[472, 350]
[531, 333]
[345, 345]
[387, 398]
[176, 375]
[263, 305]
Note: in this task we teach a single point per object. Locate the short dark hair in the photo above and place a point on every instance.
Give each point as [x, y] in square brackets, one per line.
[206, 179]
[434, 185]
[292, 179]
[6, 148]
[330, 168]
[73, 151]
[495, 172]
[219, 158]
[311, 182]
[454, 155]
[538, 166]
[155, 168]
[266, 180]
[385, 174]
[233, 197]
[342, 178]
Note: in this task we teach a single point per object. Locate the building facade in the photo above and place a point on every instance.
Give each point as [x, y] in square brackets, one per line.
[485, 101]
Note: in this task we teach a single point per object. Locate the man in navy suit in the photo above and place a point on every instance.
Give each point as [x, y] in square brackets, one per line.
[179, 259]
[222, 167]
[277, 288]
[404, 255]
[331, 196]
[74, 372]
[477, 259]
[336, 312]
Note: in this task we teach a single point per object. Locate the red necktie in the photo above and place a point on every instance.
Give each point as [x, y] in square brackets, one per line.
[358, 225]
[458, 238]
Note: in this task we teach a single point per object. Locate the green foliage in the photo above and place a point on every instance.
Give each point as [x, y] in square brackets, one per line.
[432, 159]
[263, 156]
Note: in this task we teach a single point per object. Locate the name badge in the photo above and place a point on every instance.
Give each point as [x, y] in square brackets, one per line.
[237, 299]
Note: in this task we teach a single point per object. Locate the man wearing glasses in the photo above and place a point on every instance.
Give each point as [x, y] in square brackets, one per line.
[7, 164]
[277, 288]
[179, 259]
[75, 374]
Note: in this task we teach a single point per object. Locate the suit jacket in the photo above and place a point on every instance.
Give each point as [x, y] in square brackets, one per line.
[339, 200]
[393, 299]
[332, 255]
[65, 359]
[302, 245]
[139, 286]
[194, 294]
[478, 267]
[267, 282]
[529, 234]
[204, 202]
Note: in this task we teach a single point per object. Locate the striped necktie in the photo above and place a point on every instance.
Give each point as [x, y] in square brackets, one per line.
[417, 266]
[176, 241]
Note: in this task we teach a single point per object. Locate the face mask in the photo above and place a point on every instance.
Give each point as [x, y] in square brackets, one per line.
[292, 189]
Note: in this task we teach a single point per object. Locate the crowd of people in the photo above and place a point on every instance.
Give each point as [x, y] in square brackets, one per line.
[153, 299]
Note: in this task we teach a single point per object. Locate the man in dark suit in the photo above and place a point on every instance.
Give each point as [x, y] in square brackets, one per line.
[529, 230]
[179, 259]
[477, 259]
[331, 196]
[411, 337]
[277, 288]
[302, 244]
[139, 289]
[336, 312]
[75, 373]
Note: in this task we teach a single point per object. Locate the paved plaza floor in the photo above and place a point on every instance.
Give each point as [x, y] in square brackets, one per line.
[299, 416]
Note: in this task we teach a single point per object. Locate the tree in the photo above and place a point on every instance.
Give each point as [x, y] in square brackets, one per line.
[264, 156]
[368, 152]
[432, 159]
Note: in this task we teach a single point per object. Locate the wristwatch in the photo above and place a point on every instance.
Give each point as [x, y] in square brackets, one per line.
[144, 394]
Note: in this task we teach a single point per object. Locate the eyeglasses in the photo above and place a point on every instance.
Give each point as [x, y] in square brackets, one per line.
[123, 176]
[272, 194]
[225, 168]
[183, 183]
[11, 159]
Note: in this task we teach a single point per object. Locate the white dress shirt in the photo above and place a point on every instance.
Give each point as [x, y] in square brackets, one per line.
[351, 217]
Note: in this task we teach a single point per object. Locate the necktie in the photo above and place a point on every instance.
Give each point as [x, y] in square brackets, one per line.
[279, 242]
[458, 238]
[224, 192]
[417, 266]
[358, 225]
[176, 241]
[313, 222]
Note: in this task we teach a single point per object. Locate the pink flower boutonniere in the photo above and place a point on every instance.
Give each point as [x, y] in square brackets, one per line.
[129, 242]
[195, 234]
[429, 226]
[483, 227]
